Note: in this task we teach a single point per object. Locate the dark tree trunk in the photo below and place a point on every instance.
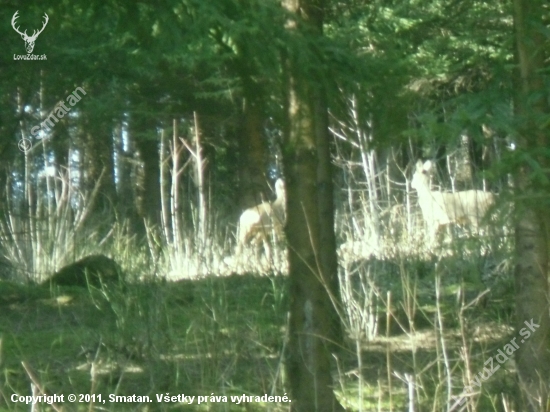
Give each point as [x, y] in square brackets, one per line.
[127, 181]
[98, 164]
[476, 149]
[328, 259]
[312, 327]
[532, 219]
[252, 147]
[60, 143]
[149, 199]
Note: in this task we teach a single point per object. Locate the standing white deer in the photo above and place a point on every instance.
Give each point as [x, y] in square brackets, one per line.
[440, 208]
[258, 223]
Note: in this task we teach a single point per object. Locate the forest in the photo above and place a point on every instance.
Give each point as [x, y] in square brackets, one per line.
[275, 205]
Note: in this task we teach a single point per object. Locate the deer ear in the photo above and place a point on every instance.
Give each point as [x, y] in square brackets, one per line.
[428, 165]
[419, 165]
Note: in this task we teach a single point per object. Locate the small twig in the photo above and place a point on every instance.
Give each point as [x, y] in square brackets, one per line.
[33, 379]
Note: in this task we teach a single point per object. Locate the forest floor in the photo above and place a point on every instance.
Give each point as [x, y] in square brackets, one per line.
[218, 335]
[223, 337]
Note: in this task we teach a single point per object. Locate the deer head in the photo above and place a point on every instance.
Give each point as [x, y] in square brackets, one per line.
[29, 40]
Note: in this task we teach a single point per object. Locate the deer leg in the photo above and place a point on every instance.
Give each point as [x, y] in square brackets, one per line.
[267, 249]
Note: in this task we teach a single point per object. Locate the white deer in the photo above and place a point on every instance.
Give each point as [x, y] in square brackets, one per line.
[440, 208]
[258, 223]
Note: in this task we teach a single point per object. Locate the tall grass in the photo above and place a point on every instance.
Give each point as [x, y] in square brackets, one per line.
[420, 320]
[426, 316]
[48, 225]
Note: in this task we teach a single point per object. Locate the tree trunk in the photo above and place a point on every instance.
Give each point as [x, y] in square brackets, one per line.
[150, 197]
[98, 164]
[252, 147]
[328, 259]
[532, 222]
[312, 275]
[127, 180]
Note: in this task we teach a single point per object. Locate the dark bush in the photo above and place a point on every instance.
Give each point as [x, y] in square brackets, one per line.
[91, 270]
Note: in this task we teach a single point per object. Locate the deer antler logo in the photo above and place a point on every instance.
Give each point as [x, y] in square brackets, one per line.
[29, 40]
